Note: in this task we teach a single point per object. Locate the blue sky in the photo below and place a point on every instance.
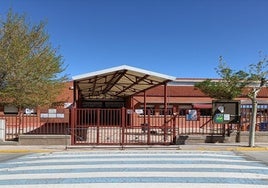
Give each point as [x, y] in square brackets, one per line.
[181, 38]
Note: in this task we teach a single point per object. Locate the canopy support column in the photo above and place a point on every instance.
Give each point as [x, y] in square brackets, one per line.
[165, 111]
[144, 108]
[74, 94]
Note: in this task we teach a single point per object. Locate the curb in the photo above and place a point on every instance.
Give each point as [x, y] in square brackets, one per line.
[229, 149]
[30, 149]
[197, 147]
[25, 151]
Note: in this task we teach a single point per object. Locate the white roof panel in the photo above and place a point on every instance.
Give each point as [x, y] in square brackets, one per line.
[118, 82]
[122, 67]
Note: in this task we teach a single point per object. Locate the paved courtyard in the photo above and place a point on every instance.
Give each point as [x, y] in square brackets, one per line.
[133, 168]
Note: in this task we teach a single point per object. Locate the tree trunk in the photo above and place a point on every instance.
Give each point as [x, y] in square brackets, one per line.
[253, 120]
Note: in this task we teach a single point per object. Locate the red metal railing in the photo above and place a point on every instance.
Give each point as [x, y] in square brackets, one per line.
[261, 121]
[34, 124]
[203, 125]
[125, 126]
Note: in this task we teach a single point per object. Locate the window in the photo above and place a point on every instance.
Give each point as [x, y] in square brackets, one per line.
[205, 112]
[13, 110]
[10, 109]
[149, 109]
[169, 110]
[183, 108]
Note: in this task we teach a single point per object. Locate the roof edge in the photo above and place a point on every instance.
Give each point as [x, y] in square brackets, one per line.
[122, 67]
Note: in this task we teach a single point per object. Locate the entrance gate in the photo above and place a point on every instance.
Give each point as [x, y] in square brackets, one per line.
[120, 127]
[127, 127]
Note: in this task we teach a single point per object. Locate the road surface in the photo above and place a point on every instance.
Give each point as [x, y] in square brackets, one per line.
[133, 168]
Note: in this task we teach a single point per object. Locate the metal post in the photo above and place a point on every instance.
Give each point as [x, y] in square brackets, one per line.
[73, 120]
[123, 120]
[147, 126]
[98, 126]
[132, 113]
[165, 112]
[174, 126]
[144, 108]
[74, 94]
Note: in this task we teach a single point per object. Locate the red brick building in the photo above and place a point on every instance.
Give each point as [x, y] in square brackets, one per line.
[123, 100]
[150, 99]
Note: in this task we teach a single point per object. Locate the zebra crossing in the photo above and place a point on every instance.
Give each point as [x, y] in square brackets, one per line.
[129, 168]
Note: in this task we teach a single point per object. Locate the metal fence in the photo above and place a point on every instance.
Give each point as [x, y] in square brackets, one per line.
[125, 126]
[35, 124]
[261, 120]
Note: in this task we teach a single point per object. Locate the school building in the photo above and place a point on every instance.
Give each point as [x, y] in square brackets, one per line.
[130, 106]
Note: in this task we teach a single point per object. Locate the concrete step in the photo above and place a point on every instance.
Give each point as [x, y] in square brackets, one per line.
[8, 142]
[197, 139]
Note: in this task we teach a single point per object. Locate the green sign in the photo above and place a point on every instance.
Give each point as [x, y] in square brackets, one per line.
[219, 118]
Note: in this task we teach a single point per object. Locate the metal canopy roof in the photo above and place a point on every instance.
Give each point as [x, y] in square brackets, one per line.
[117, 82]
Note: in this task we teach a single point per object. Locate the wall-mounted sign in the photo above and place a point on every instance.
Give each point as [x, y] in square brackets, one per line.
[226, 111]
[218, 118]
[129, 111]
[191, 115]
[68, 105]
[29, 111]
[139, 111]
[52, 113]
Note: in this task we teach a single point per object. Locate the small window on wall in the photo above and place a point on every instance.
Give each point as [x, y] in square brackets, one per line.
[169, 109]
[205, 112]
[10, 109]
[183, 109]
[204, 109]
[149, 109]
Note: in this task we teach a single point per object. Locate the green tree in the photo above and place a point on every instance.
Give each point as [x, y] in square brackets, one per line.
[30, 68]
[257, 78]
[232, 84]
[228, 87]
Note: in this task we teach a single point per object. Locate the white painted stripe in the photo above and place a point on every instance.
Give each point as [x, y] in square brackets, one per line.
[127, 154]
[134, 154]
[139, 185]
[171, 166]
[71, 160]
[29, 177]
[226, 160]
